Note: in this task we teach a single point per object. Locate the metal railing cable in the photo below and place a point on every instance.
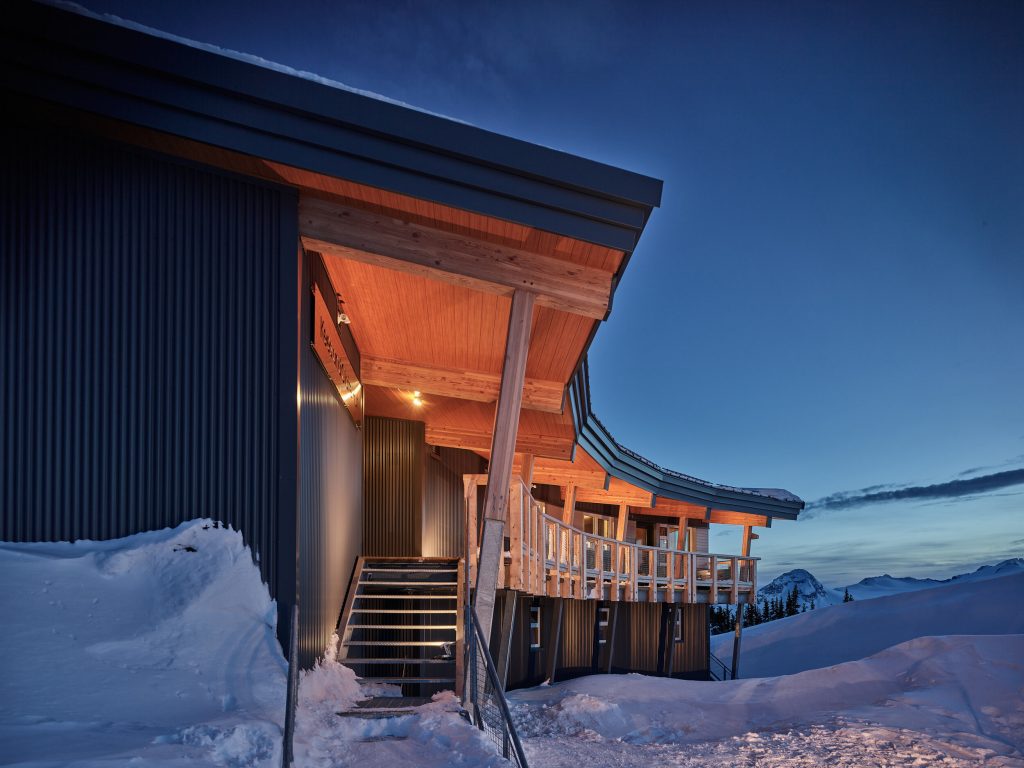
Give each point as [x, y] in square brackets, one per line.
[485, 697]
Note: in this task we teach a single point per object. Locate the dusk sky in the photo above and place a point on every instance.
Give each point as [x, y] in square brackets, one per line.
[831, 297]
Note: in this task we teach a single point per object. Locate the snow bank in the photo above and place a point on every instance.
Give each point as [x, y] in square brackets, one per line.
[159, 647]
[951, 700]
[849, 631]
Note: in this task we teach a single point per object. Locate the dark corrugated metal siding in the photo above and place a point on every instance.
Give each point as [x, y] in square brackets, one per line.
[444, 513]
[330, 495]
[393, 456]
[635, 644]
[143, 302]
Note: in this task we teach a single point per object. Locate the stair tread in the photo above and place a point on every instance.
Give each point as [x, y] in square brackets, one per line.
[406, 611]
[372, 583]
[397, 643]
[410, 570]
[403, 626]
[403, 660]
[406, 597]
[411, 679]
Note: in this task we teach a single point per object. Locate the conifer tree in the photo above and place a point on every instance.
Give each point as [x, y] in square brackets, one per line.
[847, 597]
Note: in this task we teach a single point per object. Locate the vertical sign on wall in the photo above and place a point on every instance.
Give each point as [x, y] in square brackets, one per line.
[331, 353]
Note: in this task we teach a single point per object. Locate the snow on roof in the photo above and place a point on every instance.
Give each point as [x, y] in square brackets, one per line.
[239, 56]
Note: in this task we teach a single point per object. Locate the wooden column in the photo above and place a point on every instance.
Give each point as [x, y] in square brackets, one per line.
[748, 535]
[570, 503]
[528, 471]
[503, 443]
[620, 532]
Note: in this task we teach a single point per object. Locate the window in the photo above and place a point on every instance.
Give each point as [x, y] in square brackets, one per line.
[678, 632]
[602, 625]
[534, 627]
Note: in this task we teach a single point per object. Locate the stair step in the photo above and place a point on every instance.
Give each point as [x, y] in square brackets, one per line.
[403, 626]
[410, 570]
[410, 680]
[372, 583]
[406, 611]
[405, 597]
[402, 661]
[398, 643]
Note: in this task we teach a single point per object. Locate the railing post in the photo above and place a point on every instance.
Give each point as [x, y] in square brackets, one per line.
[734, 596]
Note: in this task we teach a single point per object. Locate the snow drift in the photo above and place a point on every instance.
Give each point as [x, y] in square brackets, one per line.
[159, 646]
[854, 630]
[932, 700]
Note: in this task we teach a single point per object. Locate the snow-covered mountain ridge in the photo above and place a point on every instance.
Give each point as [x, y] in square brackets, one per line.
[809, 588]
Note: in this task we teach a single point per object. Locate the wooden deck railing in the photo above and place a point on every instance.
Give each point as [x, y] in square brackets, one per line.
[547, 556]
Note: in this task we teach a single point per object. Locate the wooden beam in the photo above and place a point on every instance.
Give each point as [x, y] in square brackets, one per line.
[373, 238]
[538, 395]
[581, 478]
[637, 499]
[548, 446]
[499, 470]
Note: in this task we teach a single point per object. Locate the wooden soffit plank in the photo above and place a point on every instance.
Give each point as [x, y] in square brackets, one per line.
[352, 233]
[538, 395]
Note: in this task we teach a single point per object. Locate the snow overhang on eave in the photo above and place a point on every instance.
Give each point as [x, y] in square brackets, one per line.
[215, 97]
[627, 465]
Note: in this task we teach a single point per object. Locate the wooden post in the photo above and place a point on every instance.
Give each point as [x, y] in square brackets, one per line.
[570, 503]
[515, 536]
[503, 443]
[748, 536]
[620, 532]
[528, 471]
[472, 525]
[508, 628]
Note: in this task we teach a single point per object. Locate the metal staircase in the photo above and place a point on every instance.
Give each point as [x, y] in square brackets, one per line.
[402, 621]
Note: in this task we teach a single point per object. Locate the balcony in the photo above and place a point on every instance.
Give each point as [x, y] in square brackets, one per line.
[546, 556]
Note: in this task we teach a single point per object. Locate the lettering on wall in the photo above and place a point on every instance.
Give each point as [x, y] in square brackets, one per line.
[331, 353]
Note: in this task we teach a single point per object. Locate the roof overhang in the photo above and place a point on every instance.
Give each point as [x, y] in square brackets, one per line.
[125, 74]
[629, 466]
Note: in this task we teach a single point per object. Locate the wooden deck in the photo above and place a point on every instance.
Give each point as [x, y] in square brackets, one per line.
[549, 557]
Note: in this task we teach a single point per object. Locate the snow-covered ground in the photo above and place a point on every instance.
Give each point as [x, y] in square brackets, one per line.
[950, 701]
[160, 650]
[854, 630]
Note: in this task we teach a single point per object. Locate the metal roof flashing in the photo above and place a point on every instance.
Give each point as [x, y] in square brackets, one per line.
[628, 465]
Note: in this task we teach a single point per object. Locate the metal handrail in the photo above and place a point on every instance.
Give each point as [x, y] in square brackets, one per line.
[478, 645]
[725, 670]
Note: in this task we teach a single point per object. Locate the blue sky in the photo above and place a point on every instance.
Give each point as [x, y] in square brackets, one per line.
[831, 297]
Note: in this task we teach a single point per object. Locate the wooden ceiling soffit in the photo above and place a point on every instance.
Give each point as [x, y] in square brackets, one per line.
[538, 445]
[352, 233]
[538, 395]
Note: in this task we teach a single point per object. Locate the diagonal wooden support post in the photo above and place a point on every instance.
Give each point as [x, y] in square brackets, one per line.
[503, 444]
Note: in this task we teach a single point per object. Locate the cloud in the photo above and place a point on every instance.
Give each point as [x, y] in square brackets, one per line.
[953, 489]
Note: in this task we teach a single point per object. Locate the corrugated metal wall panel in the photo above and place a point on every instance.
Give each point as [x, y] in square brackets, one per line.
[140, 370]
[393, 456]
[577, 649]
[330, 495]
[444, 514]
